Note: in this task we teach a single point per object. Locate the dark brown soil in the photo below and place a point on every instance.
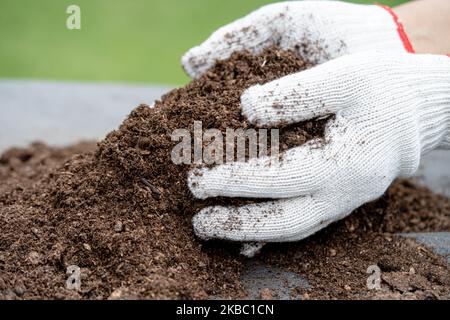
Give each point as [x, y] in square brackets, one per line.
[122, 211]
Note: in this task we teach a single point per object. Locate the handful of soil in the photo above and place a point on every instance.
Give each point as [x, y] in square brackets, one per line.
[122, 212]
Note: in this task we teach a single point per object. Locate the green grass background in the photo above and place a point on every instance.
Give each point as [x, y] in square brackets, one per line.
[120, 40]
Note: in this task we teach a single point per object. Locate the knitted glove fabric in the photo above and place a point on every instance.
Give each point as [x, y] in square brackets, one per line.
[333, 28]
[390, 109]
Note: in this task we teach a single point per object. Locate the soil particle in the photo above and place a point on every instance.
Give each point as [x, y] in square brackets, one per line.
[121, 211]
[118, 227]
[266, 294]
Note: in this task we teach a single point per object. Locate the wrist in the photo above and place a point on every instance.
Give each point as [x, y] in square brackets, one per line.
[426, 23]
[403, 36]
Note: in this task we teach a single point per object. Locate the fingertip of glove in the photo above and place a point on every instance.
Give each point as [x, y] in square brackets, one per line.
[206, 222]
[186, 62]
[259, 107]
[195, 62]
[194, 184]
[250, 99]
[200, 229]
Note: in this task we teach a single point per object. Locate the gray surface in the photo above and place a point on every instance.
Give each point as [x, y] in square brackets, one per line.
[65, 112]
[435, 171]
[438, 241]
[280, 282]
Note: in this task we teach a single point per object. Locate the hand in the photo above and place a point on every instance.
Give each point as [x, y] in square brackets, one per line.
[390, 109]
[318, 30]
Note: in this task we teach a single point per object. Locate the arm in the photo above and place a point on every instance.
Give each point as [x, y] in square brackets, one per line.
[427, 24]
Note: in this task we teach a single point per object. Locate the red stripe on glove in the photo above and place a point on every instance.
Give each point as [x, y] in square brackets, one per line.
[401, 30]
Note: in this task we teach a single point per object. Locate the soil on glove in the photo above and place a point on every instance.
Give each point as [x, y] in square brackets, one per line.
[121, 211]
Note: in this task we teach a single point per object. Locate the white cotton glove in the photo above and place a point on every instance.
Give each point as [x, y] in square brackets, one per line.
[318, 30]
[390, 109]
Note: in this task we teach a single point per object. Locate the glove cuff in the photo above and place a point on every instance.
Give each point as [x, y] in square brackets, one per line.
[364, 28]
[400, 29]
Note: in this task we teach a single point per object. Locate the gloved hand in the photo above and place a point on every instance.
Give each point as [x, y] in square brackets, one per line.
[332, 28]
[390, 109]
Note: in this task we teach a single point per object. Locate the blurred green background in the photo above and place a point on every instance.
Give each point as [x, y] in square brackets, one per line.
[119, 40]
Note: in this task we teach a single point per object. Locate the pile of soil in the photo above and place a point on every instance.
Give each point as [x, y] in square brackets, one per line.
[121, 211]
